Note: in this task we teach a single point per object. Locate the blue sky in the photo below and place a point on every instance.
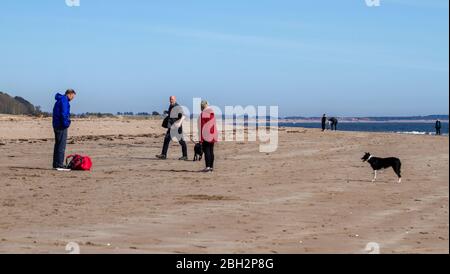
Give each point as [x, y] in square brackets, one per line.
[308, 57]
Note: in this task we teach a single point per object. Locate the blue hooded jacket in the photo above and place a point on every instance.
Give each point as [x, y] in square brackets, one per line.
[61, 112]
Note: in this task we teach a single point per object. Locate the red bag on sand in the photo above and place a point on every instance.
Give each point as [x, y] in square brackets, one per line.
[79, 162]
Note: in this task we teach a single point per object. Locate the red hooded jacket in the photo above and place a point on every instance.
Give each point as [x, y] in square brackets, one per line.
[208, 128]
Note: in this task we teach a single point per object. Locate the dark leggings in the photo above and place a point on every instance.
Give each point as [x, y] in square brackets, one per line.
[208, 149]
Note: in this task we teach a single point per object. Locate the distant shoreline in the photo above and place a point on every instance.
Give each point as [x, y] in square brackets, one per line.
[361, 121]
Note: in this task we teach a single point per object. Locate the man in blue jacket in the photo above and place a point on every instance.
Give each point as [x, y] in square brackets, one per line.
[61, 123]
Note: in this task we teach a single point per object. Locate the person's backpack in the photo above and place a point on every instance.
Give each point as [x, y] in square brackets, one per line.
[79, 162]
[165, 123]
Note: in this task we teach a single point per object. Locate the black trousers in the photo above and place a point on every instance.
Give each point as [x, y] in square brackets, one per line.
[334, 126]
[208, 149]
[167, 140]
[438, 131]
[60, 147]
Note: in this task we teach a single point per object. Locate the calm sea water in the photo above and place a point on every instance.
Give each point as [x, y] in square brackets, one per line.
[407, 128]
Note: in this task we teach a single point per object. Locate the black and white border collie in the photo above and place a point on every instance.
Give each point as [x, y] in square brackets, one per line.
[382, 163]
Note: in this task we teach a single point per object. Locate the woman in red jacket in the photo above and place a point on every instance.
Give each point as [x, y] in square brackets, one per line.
[208, 135]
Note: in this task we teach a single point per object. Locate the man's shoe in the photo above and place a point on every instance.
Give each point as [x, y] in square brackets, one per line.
[62, 169]
[184, 158]
[161, 157]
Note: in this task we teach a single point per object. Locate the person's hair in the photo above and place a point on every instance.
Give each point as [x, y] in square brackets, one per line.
[204, 104]
[70, 91]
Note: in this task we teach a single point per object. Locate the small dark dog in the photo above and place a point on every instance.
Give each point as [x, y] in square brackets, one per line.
[382, 163]
[198, 151]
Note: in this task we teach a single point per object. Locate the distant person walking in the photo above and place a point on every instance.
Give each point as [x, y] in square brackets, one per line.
[438, 127]
[61, 123]
[324, 122]
[175, 125]
[334, 123]
[208, 134]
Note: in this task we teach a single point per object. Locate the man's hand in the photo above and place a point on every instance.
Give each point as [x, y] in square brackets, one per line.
[179, 123]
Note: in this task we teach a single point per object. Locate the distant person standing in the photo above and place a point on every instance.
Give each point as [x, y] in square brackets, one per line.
[324, 122]
[438, 127]
[334, 123]
[175, 125]
[61, 123]
[208, 134]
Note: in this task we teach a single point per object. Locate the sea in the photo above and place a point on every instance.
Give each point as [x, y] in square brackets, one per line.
[419, 128]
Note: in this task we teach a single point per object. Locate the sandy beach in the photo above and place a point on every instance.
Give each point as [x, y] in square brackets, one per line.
[313, 195]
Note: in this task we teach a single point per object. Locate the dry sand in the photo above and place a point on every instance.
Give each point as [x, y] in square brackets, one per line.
[313, 195]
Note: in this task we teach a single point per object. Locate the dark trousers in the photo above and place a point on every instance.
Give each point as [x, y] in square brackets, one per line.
[167, 140]
[60, 147]
[438, 131]
[208, 149]
[323, 126]
[334, 126]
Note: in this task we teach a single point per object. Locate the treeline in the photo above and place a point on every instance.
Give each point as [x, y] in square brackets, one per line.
[428, 117]
[103, 115]
[17, 106]
[154, 113]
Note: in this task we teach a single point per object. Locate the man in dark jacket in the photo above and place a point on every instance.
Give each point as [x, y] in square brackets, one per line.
[438, 127]
[61, 124]
[176, 118]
